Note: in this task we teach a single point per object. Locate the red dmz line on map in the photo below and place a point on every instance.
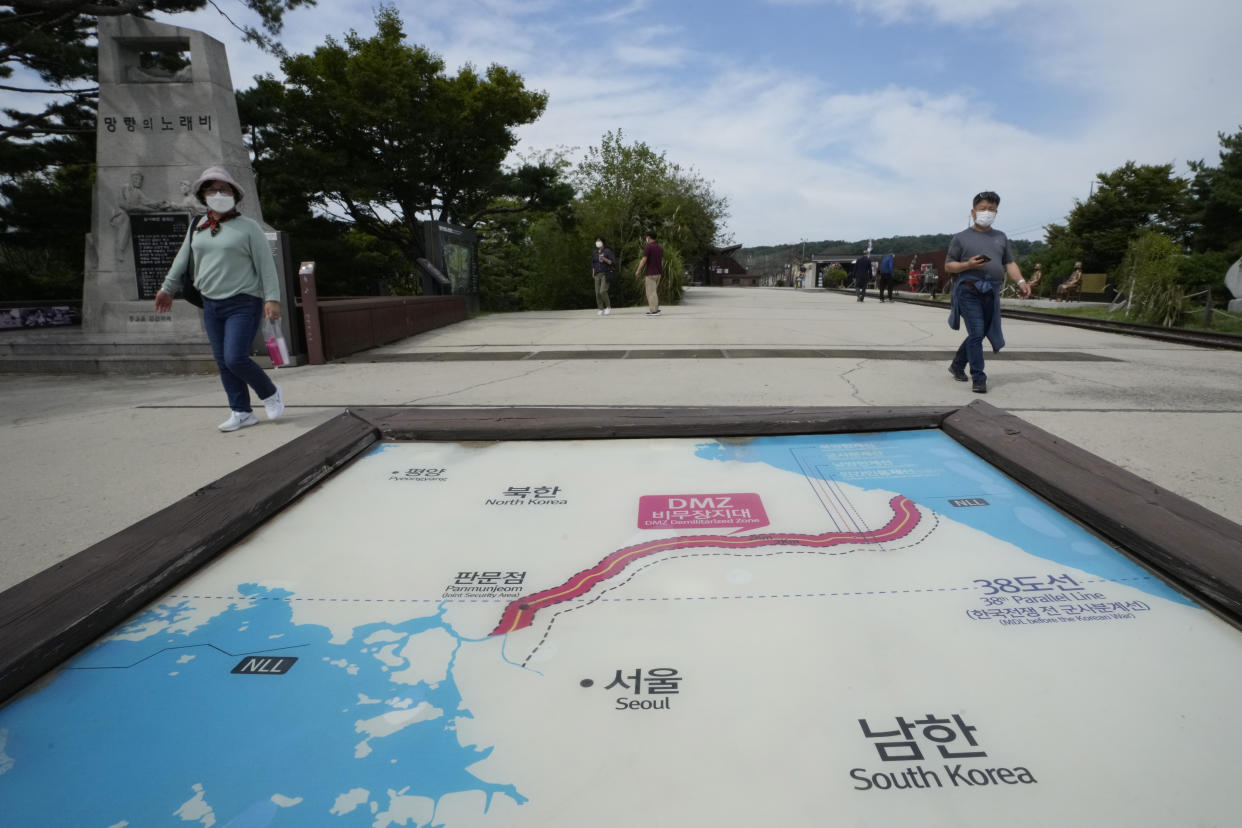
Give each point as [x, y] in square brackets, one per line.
[520, 613]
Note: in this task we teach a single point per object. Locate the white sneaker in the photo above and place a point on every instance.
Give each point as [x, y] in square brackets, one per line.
[607, 311]
[239, 419]
[599, 313]
[274, 405]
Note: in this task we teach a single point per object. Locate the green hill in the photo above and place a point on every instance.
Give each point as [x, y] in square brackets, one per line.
[772, 257]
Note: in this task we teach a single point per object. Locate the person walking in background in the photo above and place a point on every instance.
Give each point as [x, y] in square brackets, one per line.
[885, 278]
[234, 270]
[651, 266]
[862, 275]
[981, 258]
[603, 262]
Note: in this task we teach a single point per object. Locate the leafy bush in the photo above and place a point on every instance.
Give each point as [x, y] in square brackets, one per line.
[673, 284]
[1201, 271]
[37, 273]
[1150, 272]
[834, 277]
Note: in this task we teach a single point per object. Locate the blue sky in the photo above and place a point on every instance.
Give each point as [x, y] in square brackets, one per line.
[846, 119]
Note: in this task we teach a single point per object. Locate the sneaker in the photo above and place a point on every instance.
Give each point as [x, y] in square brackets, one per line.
[959, 374]
[655, 312]
[979, 387]
[607, 311]
[274, 405]
[239, 419]
[599, 313]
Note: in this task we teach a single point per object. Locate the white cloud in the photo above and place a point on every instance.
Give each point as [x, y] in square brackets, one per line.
[800, 155]
[629, 10]
[889, 11]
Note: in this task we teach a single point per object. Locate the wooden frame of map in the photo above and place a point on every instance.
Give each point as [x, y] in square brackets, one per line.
[53, 615]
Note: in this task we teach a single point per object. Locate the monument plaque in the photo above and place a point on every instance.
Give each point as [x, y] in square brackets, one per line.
[156, 239]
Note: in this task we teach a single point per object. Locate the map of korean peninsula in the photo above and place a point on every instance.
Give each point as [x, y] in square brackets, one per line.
[865, 629]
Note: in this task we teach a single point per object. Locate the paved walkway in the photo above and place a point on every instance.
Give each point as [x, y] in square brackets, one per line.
[85, 456]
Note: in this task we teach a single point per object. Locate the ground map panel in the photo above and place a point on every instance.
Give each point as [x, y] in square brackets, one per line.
[870, 629]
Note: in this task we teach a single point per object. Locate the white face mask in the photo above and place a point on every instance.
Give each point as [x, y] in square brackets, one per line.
[220, 202]
[599, 245]
[984, 218]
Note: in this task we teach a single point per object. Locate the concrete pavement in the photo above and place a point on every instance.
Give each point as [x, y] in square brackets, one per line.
[84, 456]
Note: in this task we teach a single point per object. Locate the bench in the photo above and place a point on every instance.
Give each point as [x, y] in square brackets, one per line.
[1092, 284]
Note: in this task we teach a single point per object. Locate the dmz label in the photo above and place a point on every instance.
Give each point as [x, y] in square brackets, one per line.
[264, 665]
[913, 741]
[735, 510]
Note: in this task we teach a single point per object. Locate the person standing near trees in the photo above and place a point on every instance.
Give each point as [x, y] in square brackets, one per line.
[981, 258]
[886, 277]
[862, 275]
[651, 266]
[603, 265]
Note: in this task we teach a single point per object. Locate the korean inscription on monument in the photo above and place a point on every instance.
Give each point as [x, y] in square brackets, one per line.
[156, 239]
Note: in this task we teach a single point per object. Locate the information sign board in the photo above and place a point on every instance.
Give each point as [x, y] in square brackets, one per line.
[156, 239]
[793, 629]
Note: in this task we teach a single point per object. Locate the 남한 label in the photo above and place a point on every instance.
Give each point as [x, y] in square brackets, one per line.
[962, 761]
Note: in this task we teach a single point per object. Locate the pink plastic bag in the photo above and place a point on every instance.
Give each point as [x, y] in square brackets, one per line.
[276, 347]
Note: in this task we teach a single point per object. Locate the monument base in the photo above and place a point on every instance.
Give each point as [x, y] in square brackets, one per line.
[1235, 305]
[184, 324]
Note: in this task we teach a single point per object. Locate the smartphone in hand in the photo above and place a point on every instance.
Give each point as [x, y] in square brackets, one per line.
[986, 258]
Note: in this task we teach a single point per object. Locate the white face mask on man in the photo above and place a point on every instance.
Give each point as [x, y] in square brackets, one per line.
[220, 202]
[599, 245]
[984, 218]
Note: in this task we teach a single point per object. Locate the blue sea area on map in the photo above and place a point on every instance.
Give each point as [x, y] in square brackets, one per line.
[125, 733]
[931, 469]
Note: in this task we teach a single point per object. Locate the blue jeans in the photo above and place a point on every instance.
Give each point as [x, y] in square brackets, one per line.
[231, 327]
[976, 310]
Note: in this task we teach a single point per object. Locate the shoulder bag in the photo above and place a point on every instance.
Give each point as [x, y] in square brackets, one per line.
[188, 292]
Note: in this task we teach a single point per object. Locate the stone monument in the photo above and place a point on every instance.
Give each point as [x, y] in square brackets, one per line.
[157, 130]
[1233, 281]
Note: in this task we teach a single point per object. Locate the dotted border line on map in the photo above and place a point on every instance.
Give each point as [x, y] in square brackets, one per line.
[292, 598]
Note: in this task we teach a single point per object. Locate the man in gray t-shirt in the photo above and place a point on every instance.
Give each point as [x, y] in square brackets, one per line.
[981, 258]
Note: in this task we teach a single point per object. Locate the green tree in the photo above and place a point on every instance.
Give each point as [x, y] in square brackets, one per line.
[628, 189]
[624, 191]
[508, 251]
[1217, 194]
[43, 224]
[1131, 198]
[373, 132]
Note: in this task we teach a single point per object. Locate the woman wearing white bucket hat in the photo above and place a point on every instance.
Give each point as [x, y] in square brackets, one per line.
[234, 270]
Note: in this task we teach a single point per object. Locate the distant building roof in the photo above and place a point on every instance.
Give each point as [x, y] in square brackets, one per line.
[724, 264]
